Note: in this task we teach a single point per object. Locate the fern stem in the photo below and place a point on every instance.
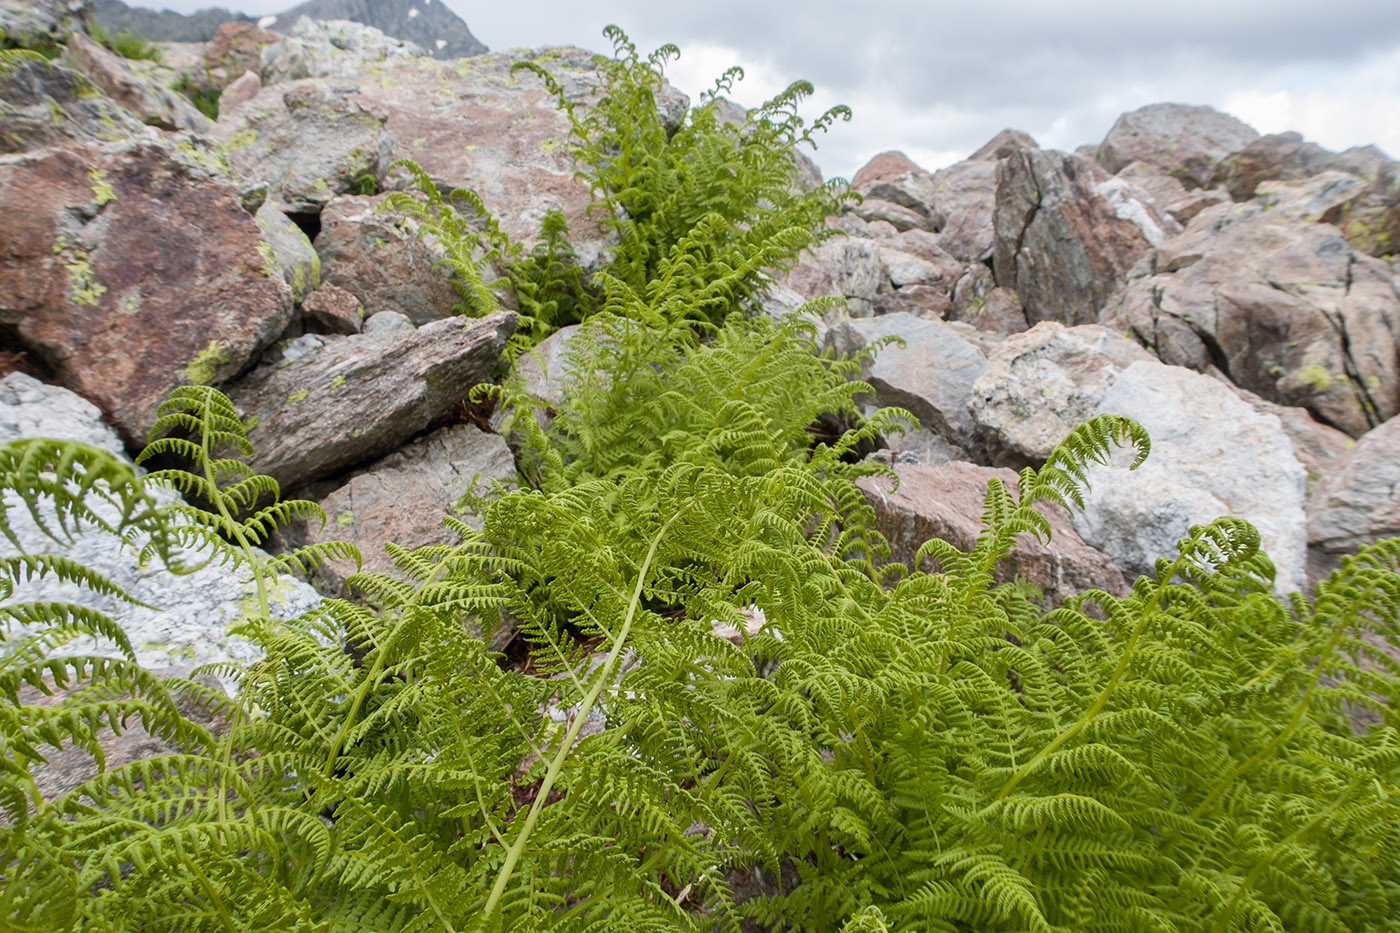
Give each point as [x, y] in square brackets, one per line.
[566, 746]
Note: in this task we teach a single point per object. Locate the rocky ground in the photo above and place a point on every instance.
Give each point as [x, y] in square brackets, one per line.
[1238, 294]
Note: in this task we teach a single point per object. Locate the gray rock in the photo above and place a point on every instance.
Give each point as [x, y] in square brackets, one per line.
[1359, 503]
[1212, 455]
[964, 198]
[387, 322]
[41, 23]
[193, 612]
[307, 140]
[1183, 140]
[333, 310]
[337, 48]
[151, 101]
[360, 397]
[931, 377]
[289, 253]
[403, 498]
[44, 104]
[1039, 385]
[1168, 193]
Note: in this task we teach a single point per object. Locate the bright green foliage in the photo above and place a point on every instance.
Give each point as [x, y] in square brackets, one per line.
[708, 210]
[205, 99]
[126, 43]
[13, 58]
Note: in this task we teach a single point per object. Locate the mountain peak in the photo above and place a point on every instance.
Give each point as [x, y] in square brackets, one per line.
[428, 23]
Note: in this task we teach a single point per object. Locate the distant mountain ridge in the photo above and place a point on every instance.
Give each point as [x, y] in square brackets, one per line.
[429, 23]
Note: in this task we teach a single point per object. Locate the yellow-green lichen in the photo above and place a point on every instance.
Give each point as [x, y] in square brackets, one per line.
[337, 382]
[56, 114]
[550, 144]
[190, 154]
[102, 191]
[202, 370]
[344, 518]
[83, 288]
[315, 271]
[242, 139]
[270, 267]
[1316, 376]
[298, 395]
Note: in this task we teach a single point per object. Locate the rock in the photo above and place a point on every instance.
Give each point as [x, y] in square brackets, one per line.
[432, 26]
[1184, 141]
[131, 268]
[68, 766]
[403, 498]
[1212, 455]
[1066, 236]
[307, 140]
[964, 198]
[236, 49]
[931, 377]
[1002, 145]
[152, 102]
[360, 397]
[43, 104]
[1168, 193]
[930, 301]
[1283, 306]
[387, 322]
[1359, 503]
[886, 166]
[1319, 448]
[289, 253]
[897, 215]
[337, 48]
[1039, 385]
[987, 308]
[239, 91]
[1268, 158]
[41, 24]
[473, 124]
[375, 253]
[945, 502]
[193, 612]
[333, 310]
[853, 268]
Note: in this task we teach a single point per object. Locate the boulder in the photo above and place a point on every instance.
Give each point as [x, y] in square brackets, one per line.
[332, 310]
[336, 48]
[1066, 234]
[1268, 158]
[387, 322]
[1359, 503]
[403, 498]
[357, 398]
[964, 198]
[945, 502]
[376, 254]
[886, 166]
[1039, 385]
[1002, 145]
[42, 24]
[188, 616]
[894, 184]
[288, 253]
[1212, 455]
[130, 269]
[43, 104]
[235, 49]
[1318, 447]
[851, 267]
[307, 141]
[239, 91]
[931, 376]
[1184, 141]
[1285, 307]
[151, 101]
[979, 302]
[930, 301]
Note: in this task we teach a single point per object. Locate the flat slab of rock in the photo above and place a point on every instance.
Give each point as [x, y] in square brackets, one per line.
[130, 269]
[945, 502]
[1359, 503]
[1212, 455]
[359, 397]
[403, 498]
[1039, 385]
[1185, 141]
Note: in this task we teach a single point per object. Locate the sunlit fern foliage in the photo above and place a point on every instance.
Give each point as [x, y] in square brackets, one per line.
[711, 209]
[11, 58]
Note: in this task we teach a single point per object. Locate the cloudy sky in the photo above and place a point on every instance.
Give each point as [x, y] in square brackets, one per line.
[937, 79]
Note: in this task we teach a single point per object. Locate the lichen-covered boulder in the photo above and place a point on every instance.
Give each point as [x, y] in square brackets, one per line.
[1185, 141]
[44, 104]
[132, 268]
